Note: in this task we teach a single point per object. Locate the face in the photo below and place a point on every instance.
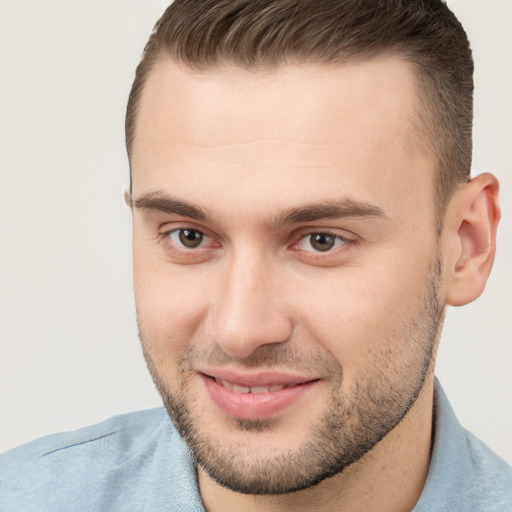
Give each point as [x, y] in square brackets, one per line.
[286, 267]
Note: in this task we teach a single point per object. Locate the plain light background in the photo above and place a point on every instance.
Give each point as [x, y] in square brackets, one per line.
[69, 353]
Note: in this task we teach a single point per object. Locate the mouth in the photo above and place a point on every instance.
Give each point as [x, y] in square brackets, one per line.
[236, 388]
[255, 397]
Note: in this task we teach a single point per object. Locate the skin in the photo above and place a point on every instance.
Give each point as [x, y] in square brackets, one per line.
[246, 150]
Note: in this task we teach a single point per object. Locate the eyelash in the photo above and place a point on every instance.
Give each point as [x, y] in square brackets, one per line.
[165, 237]
[326, 234]
[346, 242]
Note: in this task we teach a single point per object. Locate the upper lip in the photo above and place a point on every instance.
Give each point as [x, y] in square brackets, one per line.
[259, 378]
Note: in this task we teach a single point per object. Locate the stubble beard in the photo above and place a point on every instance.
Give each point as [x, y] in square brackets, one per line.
[350, 427]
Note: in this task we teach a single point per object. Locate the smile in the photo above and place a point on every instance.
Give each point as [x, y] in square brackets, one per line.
[252, 389]
[256, 397]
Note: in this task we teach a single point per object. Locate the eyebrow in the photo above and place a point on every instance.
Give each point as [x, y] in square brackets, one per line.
[157, 201]
[346, 207]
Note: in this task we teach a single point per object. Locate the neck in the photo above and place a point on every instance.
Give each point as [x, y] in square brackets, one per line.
[389, 478]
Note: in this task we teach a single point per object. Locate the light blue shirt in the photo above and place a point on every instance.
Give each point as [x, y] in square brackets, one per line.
[138, 462]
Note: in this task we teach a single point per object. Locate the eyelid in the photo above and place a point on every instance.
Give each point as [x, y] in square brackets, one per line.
[349, 238]
[213, 241]
[169, 227]
[204, 238]
[305, 232]
[181, 252]
[338, 240]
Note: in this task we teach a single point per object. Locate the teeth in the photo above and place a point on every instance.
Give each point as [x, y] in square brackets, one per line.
[240, 389]
[260, 389]
[247, 389]
[276, 387]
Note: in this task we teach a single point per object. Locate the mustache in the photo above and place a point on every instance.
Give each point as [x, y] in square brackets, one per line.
[269, 356]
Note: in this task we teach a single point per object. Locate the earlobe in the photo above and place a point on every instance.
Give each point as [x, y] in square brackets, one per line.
[474, 224]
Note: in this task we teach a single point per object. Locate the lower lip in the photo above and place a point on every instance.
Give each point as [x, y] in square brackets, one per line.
[254, 406]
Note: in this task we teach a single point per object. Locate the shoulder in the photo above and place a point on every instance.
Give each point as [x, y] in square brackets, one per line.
[491, 478]
[465, 475]
[107, 466]
[120, 434]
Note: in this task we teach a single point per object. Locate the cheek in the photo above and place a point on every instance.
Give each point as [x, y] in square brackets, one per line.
[171, 304]
[356, 312]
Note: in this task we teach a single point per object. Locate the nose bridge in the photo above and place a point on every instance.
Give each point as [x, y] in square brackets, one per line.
[250, 311]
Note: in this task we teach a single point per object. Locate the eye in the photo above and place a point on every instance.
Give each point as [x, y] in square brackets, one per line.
[321, 242]
[189, 238]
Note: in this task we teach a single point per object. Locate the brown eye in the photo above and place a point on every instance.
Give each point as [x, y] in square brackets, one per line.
[190, 238]
[321, 242]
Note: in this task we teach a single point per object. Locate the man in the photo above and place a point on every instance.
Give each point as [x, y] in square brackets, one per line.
[302, 214]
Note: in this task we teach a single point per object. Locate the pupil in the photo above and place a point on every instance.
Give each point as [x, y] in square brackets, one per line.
[190, 238]
[322, 241]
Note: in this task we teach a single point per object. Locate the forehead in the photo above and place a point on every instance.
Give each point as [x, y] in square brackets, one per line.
[383, 85]
[352, 125]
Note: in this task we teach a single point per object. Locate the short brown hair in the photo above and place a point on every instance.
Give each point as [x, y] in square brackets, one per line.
[202, 34]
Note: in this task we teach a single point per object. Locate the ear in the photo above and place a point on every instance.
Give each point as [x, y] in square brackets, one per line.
[473, 224]
[127, 198]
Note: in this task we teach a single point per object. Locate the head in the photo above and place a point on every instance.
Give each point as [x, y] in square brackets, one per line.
[299, 206]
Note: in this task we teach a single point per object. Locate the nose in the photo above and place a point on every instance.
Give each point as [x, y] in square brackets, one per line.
[250, 310]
